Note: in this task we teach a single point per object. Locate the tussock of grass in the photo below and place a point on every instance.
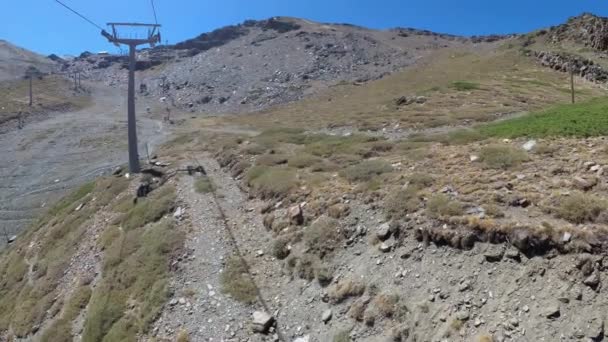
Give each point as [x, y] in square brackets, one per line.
[271, 159]
[203, 185]
[580, 207]
[134, 286]
[502, 156]
[421, 180]
[583, 119]
[345, 289]
[271, 182]
[323, 236]
[342, 336]
[442, 206]
[465, 85]
[23, 306]
[237, 283]
[183, 336]
[366, 170]
[401, 202]
[150, 209]
[61, 329]
[303, 160]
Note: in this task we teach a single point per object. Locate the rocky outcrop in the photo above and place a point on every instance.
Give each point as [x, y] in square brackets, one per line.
[587, 29]
[582, 67]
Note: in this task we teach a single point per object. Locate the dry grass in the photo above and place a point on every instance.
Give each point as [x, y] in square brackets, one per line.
[271, 182]
[51, 93]
[346, 288]
[580, 207]
[342, 336]
[237, 283]
[134, 285]
[203, 185]
[150, 209]
[366, 170]
[442, 206]
[402, 202]
[61, 329]
[323, 236]
[57, 235]
[495, 82]
[183, 336]
[484, 338]
[502, 156]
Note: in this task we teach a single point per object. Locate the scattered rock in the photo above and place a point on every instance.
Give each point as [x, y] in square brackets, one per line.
[528, 146]
[593, 280]
[262, 322]
[584, 184]
[296, 215]
[494, 253]
[463, 315]
[384, 231]
[552, 310]
[302, 339]
[386, 247]
[327, 315]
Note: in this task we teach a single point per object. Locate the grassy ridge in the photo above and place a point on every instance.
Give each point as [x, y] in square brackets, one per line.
[585, 119]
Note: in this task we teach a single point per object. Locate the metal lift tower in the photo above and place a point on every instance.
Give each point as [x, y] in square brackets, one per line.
[152, 38]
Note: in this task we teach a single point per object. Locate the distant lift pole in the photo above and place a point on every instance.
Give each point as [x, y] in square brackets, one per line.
[152, 39]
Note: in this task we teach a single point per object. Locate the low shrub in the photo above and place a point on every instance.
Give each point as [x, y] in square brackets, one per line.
[442, 206]
[502, 156]
[366, 170]
[580, 207]
[271, 182]
[323, 236]
[303, 160]
[400, 202]
[344, 289]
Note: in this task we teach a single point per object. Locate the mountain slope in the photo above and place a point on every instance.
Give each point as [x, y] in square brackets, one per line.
[15, 60]
[258, 64]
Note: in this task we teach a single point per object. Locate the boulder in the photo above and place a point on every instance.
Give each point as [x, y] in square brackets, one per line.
[296, 215]
[262, 322]
[384, 231]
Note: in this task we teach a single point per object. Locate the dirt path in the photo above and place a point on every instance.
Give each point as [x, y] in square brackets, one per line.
[49, 157]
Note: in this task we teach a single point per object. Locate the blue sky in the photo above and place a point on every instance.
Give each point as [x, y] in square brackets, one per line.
[46, 27]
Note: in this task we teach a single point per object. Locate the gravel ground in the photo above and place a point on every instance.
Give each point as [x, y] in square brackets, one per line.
[443, 294]
[49, 157]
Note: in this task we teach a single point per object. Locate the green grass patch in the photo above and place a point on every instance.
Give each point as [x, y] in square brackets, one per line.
[203, 185]
[583, 119]
[465, 85]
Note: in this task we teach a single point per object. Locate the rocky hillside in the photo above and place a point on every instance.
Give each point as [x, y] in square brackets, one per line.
[257, 64]
[586, 29]
[15, 60]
